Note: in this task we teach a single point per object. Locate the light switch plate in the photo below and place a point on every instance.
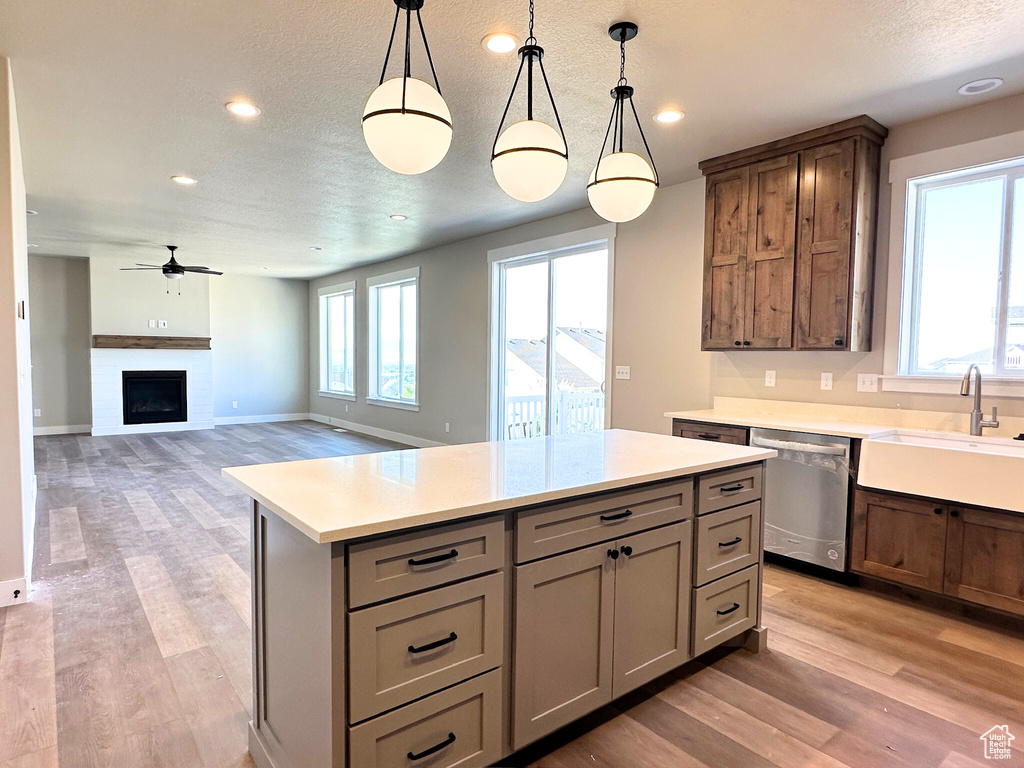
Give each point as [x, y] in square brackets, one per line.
[867, 382]
[163, 323]
[826, 382]
[234, 403]
[621, 371]
[38, 412]
[769, 378]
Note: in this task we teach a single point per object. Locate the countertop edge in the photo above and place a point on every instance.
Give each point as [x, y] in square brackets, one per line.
[809, 426]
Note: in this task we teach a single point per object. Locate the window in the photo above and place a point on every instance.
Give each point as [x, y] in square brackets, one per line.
[394, 301]
[963, 286]
[337, 340]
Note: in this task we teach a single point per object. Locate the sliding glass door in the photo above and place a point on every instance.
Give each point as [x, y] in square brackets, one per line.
[551, 343]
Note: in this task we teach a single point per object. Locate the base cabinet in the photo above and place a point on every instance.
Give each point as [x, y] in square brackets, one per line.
[972, 554]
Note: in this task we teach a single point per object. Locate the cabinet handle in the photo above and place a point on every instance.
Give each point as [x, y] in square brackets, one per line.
[436, 644]
[626, 550]
[731, 488]
[737, 540]
[738, 343]
[954, 513]
[433, 749]
[735, 606]
[708, 436]
[746, 343]
[616, 516]
[613, 554]
[839, 342]
[938, 510]
[435, 559]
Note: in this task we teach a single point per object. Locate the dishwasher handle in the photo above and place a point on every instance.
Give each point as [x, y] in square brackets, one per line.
[798, 447]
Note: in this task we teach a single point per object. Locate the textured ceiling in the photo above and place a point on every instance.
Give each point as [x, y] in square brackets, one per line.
[115, 96]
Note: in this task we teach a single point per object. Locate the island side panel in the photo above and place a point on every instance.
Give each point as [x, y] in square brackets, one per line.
[293, 648]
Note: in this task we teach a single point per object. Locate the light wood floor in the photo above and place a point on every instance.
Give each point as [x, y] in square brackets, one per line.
[134, 650]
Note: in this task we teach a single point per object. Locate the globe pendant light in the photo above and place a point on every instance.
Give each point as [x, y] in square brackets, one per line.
[623, 183]
[529, 158]
[406, 123]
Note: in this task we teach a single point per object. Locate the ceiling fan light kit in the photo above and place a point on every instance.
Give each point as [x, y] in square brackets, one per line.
[406, 122]
[172, 270]
[622, 184]
[530, 158]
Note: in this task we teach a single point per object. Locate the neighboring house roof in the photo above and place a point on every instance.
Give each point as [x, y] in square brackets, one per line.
[534, 352]
[981, 354]
[591, 338]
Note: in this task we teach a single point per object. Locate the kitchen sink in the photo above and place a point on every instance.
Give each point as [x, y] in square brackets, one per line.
[980, 471]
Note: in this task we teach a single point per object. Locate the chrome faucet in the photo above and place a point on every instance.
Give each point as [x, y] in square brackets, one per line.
[978, 420]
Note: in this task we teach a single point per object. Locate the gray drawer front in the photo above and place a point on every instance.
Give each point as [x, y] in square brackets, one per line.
[724, 608]
[464, 721]
[729, 488]
[380, 569]
[727, 541]
[563, 527]
[412, 647]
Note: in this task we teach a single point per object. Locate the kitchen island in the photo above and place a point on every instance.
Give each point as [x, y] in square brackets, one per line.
[448, 606]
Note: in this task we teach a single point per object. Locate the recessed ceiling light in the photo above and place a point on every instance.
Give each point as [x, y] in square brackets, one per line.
[978, 87]
[670, 115]
[32, 245]
[500, 42]
[398, 217]
[30, 212]
[186, 181]
[315, 248]
[242, 108]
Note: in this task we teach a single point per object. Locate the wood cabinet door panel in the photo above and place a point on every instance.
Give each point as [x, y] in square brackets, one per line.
[985, 558]
[771, 254]
[725, 246]
[564, 611]
[823, 258]
[652, 605]
[900, 539]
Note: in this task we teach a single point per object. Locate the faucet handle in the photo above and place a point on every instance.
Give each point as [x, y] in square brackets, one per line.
[995, 415]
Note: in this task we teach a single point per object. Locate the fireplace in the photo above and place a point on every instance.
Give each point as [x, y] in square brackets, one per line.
[154, 397]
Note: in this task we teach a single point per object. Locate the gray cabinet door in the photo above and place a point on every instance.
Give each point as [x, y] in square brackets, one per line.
[563, 640]
[652, 605]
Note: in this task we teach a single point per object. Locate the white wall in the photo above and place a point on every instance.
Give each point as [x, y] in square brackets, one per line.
[59, 289]
[17, 510]
[260, 330]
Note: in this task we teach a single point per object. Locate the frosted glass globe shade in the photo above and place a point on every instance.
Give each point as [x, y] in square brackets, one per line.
[529, 173]
[628, 191]
[407, 143]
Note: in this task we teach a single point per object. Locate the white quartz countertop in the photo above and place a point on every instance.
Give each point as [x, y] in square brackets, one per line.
[793, 423]
[353, 496]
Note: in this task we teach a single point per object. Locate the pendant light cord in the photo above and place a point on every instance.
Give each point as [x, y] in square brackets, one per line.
[622, 60]
[531, 37]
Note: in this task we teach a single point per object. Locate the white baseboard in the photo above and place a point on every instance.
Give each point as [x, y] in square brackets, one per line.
[7, 589]
[220, 420]
[146, 429]
[67, 429]
[383, 434]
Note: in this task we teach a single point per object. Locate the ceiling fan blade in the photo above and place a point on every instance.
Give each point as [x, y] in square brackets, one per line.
[158, 266]
[202, 271]
[139, 269]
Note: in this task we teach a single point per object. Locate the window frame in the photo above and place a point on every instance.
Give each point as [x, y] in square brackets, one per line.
[909, 177]
[374, 285]
[325, 294]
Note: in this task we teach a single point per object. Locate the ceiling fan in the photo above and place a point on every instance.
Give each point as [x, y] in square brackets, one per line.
[172, 269]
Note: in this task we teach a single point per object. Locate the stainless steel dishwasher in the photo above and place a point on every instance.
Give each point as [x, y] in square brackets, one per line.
[806, 496]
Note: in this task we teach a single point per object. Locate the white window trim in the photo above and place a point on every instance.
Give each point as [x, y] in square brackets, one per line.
[322, 294]
[401, 276]
[902, 172]
[602, 233]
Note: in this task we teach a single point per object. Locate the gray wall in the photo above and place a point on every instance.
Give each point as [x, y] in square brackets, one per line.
[259, 327]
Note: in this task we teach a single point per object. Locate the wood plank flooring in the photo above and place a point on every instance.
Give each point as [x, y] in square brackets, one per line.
[134, 650]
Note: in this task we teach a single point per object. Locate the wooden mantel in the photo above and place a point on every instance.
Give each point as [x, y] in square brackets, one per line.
[150, 342]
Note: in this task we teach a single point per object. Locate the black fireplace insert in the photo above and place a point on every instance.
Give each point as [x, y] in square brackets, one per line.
[154, 397]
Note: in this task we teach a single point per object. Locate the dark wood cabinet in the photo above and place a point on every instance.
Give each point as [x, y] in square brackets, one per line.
[789, 241]
[985, 558]
[697, 430]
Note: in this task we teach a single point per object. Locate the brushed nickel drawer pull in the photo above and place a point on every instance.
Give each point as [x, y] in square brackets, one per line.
[731, 488]
[735, 606]
[433, 749]
[616, 516]
[436, 644]
[435, 559]
[737, 540]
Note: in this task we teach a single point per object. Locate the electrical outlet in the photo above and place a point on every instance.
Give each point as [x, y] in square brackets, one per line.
[38, 412]
[867, 382]
[234, 403]
[769, 378]
[826, 382]
[621, 371]
[163, 323]
[346, 407]
[152, 323]
[447, 427]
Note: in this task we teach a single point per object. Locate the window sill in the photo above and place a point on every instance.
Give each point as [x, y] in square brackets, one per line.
[950, 385]
[393, 404]
[338, 395]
